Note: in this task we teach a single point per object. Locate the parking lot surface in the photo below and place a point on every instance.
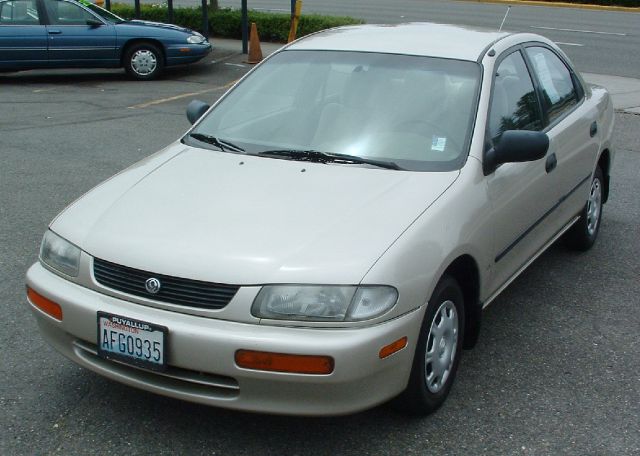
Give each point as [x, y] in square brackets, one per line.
[556, 369]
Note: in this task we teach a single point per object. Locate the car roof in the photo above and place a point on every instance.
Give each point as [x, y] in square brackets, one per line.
[416, 38]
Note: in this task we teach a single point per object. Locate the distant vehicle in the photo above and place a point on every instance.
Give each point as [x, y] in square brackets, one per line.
[36, 34]
[326, 236]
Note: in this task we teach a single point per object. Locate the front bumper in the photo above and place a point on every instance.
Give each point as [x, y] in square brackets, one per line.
[187, 53]
[200, 353]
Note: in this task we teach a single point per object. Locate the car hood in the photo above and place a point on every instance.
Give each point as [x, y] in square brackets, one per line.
[245, 220]
[159, 25]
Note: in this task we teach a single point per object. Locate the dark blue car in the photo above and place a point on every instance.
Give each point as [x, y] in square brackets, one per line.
[78, 34]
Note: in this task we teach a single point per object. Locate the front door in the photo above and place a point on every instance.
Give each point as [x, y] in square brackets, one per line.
[23, 38]
[521, 194]
[74, 42]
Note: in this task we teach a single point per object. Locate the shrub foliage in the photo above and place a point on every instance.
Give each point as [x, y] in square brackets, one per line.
[226, 22]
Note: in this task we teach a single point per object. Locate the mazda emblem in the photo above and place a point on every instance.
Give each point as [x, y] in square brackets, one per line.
[152, 285]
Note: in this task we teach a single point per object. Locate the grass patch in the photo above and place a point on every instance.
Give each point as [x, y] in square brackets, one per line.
[227, 23]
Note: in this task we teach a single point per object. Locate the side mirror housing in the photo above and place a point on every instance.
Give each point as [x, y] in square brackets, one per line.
[195, 110]
[516, 146]
[94, 23]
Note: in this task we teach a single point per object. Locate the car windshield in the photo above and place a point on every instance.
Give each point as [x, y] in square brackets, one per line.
[103, 13]
[411, 111]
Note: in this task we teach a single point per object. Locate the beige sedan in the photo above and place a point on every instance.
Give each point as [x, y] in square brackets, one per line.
[325, 237]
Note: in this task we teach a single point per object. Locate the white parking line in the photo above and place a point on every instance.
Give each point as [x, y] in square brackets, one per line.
[579, 31]
[568, 44]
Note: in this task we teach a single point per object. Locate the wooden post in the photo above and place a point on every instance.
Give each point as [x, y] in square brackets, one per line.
[294, 21]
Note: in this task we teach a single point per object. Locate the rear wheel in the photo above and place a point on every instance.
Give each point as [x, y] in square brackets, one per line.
[438, 351]
[584, 232]
[144, 61]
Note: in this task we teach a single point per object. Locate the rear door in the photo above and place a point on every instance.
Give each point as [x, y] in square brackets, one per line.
[73, 42]
[571, 124]
[23, 38]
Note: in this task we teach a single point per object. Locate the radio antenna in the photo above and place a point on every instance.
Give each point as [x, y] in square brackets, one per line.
[504, 18]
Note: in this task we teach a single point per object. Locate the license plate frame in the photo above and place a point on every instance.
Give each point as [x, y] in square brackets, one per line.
[118, 348]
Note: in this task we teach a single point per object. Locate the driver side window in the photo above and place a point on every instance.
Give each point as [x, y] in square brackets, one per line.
[65, 13]
[514, 105]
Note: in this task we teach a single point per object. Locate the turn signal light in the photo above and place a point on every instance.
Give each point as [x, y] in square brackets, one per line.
[46, 305]
[280, 362]
[390, 349]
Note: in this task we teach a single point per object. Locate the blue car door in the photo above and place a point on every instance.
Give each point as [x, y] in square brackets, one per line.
[23, 38]
[77, 37]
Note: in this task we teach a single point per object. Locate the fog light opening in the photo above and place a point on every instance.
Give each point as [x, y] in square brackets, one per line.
[393, 347]
[46, 305]
[281, 362]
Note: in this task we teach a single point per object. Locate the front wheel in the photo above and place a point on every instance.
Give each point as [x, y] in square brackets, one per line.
[437, 355]
[582, 235]
[144, 61]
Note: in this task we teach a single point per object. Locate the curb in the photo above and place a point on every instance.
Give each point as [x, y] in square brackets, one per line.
[560, 5]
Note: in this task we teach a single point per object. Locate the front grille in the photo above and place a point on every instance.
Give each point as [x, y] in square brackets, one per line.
[174, 290]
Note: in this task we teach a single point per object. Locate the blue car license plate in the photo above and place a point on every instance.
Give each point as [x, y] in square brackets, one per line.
[130, 341]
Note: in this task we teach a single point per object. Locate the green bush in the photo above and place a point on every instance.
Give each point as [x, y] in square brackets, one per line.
[227, 22]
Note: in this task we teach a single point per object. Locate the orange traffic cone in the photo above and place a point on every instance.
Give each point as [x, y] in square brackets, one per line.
[255, 53]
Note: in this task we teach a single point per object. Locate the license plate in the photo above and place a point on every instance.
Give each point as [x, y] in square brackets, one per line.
[134, 342]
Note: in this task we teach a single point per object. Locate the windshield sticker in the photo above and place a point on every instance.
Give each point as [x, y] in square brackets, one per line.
[84, 2]
[438, 143]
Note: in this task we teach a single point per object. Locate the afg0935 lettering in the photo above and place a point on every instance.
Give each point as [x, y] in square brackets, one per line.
[131, 341]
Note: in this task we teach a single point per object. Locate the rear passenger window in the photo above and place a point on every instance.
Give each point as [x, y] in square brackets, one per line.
[555, 79]
[19, 12]
[514, 105]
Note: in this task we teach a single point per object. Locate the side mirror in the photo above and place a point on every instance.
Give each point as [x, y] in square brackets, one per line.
[94, 23]
[516, 146]
[195, 110]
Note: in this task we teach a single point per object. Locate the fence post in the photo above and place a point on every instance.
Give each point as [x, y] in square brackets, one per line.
[245, 28]
[137, 7]
[170, 11]
[205, 19]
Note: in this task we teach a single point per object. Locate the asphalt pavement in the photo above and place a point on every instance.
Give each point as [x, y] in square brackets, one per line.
[556, 369]
[597, 41]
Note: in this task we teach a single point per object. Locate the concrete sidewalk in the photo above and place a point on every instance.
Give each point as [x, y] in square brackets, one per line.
[624, 91]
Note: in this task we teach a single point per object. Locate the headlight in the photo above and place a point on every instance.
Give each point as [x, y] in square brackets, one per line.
[60, 254]
[323, 302]
[196, 38]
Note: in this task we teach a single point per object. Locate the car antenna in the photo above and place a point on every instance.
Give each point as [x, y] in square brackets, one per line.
[504, 18]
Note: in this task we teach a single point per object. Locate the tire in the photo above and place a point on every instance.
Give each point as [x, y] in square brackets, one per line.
[582, 235]
[144, 61]
[432, 375]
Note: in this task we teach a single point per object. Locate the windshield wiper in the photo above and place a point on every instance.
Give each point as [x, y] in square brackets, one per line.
[219, 143]
[326, 157]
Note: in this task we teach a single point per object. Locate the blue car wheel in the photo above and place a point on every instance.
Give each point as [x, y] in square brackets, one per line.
[144, 61]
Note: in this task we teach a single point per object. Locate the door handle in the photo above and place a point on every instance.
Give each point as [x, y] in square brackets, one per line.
[551, 163]
[593, 129]
[54, 32]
